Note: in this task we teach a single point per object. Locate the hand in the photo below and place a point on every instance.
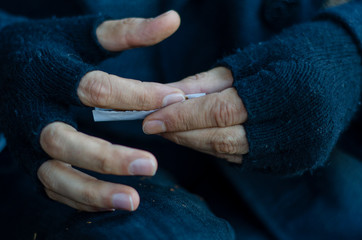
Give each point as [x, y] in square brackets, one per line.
[63, 143]
[210, 124]
[298, 95]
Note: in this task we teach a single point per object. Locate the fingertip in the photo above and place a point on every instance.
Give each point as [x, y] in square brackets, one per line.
[143, 167]
[173, 18]
[153, 127]
[135, 199]
[167, 24]
[126, 199]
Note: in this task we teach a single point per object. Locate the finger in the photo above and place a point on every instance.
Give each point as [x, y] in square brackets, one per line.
[237, 159]
[63, 142]
[220, 142]
[214, 110]
[233, 158]
[215, 80]
[100, 89]
[118, 35]
[82, 207]
[79, 187]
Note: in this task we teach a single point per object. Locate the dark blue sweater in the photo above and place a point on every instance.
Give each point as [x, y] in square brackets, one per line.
[300, 88]
[298, 72]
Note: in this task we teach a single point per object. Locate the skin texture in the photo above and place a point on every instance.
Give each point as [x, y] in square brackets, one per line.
[67, 147]
[209, 124]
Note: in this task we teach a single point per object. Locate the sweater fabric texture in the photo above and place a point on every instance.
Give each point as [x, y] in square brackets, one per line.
[289, 84]
[296, 67]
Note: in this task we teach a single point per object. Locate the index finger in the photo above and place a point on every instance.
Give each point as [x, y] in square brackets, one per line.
[222, 109]
[103, 90]
[214, 80]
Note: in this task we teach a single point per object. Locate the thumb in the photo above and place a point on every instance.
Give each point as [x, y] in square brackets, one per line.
[119, 35]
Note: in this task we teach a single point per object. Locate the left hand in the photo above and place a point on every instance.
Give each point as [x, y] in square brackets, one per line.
[209, 124]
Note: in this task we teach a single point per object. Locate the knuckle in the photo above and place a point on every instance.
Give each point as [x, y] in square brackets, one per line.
[127, 21]
[224, 144]
[111, 159]
[244, 144]
[129, 35]
[147, 36]
[179, 122]
[223, 113]
[174, 137]
[45, 175]
[200, 76]
[105, 164]
[142, 100]
[50, 139]
[99, 88]
[89, 196]
[189, 82]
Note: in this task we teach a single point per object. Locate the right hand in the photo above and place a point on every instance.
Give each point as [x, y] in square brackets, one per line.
[67, 147]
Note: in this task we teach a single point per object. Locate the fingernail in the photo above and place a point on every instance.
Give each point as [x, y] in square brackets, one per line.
[122, 201]
[172, 98]
[142, 166]
[154, 127]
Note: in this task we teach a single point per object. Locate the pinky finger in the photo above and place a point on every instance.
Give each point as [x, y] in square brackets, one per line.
[228, 141]
[74, 204]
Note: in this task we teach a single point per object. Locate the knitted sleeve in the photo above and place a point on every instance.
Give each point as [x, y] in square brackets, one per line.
[41, 64]
[301, 90]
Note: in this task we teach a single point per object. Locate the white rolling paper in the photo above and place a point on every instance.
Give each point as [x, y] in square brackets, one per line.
[105, 115]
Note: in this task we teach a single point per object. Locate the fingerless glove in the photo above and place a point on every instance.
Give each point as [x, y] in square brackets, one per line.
[300, 89]
[41, 64]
